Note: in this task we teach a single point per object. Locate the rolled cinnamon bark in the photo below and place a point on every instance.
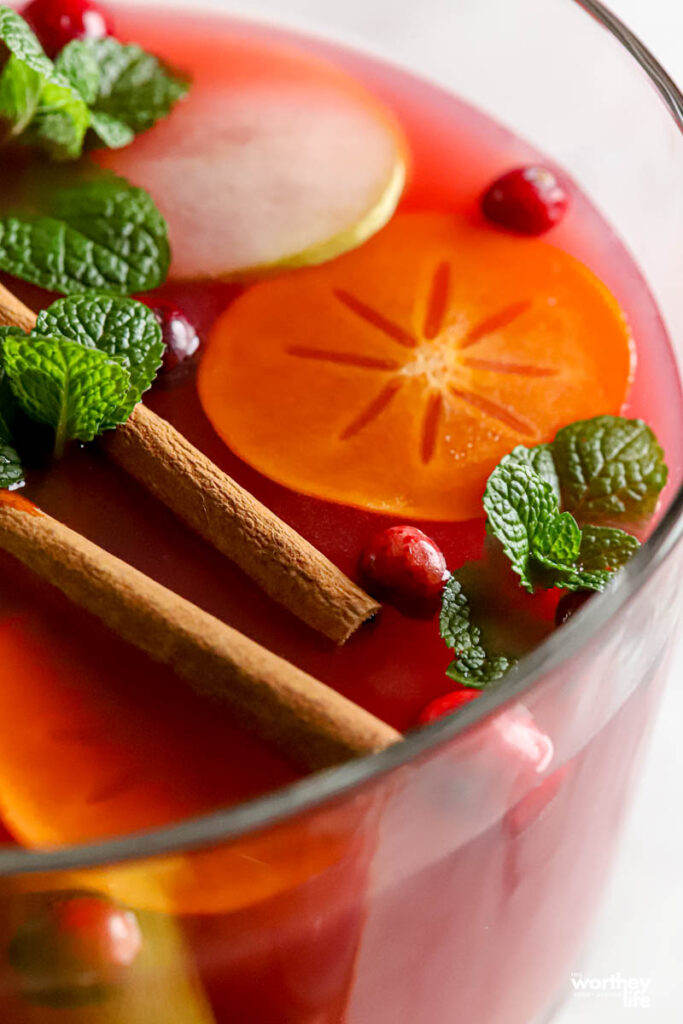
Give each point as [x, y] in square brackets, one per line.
[309, 722]
[289, 569]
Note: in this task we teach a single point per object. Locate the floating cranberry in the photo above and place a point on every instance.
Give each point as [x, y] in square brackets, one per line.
[527, 200]
[58, 22]
[403, 566]
[179, 334]
[570, 604]
[446, 705]
[72, 947]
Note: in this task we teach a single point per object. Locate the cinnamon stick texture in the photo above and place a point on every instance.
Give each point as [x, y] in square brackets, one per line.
[312, 724]
[289, 569]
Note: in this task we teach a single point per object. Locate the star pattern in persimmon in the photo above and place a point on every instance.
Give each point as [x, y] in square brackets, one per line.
[436, 352]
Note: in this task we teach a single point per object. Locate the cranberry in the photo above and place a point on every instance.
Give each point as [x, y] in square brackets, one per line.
[520, 736]
[180, 336]
[528, 200]
[570, 604]
[533, 804]
[403, 566]
[446, 705]
[57, 22]
[74, 945]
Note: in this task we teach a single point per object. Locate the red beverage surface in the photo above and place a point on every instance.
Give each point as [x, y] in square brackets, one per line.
[157, 752]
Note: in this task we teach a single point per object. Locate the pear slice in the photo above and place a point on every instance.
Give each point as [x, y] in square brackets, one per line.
[276, 159]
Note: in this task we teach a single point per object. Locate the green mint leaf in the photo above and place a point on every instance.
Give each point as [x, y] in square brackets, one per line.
[11, 472]
[472, 665]
[8, 403]
[37, 101]
[22, 43]
[78, 65]
[112, 132]
[557, 540]
[102, 234]
[605, 548]
[75, 390]
[518, 503]
[541, 460]
[60, 121]
[20, 89]
[121, 327]
[611, 469]
[603, 551]
[135, 89]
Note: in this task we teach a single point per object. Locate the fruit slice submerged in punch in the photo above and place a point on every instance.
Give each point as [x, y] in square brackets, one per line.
[396, 377]
[274, 159]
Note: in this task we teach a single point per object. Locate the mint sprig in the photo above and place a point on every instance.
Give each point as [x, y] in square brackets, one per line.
[112, 89]
[472, 665]
[102, 234]
[81, 370]
[605, 469]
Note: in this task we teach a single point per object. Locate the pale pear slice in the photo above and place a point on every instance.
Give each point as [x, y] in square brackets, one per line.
[276, 159]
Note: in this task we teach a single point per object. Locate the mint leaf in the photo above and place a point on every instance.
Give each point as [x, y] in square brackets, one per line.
[112, 132]
[135, 89]
[77, 63]
[8, 403]
[75, 390]
[610, 468]
[102, 234]
[540, 459]
[518, 503]
[605, 548]
[472, 665]
[604, 551]
[11, 472]
[121, 327]
[20, 90]
[21, 41]
[557, 540]
[36, 100]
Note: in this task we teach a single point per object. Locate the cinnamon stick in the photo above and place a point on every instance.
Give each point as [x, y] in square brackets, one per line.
[312, 724]
[285, 565]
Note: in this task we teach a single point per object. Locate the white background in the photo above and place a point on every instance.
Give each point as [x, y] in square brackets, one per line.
[639, 932]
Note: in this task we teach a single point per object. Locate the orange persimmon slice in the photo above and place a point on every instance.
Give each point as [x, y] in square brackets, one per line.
[397, 376]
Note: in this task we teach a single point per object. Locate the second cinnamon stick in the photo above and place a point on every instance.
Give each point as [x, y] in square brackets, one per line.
[311, 723]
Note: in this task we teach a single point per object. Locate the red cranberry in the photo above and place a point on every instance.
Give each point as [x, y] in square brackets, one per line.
[74, 945]
[404, 567]
[57, 22]
[533, 804]
[446, 705]
[180, 336]
[519, 736]
[528, 200]
[570, 604]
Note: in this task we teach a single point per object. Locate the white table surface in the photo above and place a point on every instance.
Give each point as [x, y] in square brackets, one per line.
[639, 932]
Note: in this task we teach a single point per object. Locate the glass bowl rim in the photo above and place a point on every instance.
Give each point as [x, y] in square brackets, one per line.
[329, 786]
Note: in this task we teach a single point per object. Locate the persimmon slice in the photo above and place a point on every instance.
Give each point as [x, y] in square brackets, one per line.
[396, 377]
